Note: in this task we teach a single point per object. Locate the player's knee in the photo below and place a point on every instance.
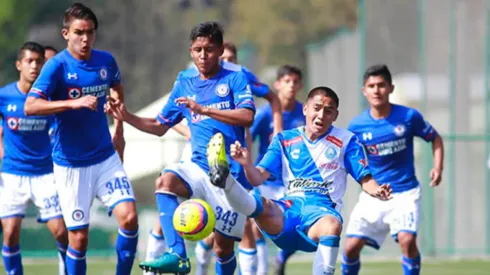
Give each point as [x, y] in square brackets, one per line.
[129, 221]
[223, 246]
[222, 252]
[166, 182]
[61, 234]
[353, 247]
[160, 183]
[408, 242]
[326, 226]
[78, 239]
[11, 234]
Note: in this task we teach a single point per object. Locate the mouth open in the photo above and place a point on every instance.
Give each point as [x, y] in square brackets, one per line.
[318, 123]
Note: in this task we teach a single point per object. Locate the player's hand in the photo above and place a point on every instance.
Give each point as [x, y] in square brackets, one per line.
[89, 102]
[239, 154]
[435, 176]
[119, 144]
[383, 192]
[115, 108]
[191, 104]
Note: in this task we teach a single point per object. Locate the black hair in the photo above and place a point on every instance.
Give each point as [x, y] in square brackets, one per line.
[326, 91]
[30, 46]
[79, 11]
[50, 48]
[288, 69]
[210, 29]
[378, 70]
[230, 46]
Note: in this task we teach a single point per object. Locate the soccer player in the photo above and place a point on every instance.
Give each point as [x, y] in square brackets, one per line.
[27, 166]
[215, 100]
[73, 86]
[288, 83]
[314, 161]
[49, 52]
[387, 132]
[203, 250]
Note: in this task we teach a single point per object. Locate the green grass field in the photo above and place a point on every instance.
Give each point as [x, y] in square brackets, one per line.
[432, 267]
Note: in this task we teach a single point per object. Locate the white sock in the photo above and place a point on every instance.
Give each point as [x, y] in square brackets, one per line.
[155, 246]
[61, 265]
[203, 258]
[326, 255]
[262, 257]
[247, 260]
[240, 199]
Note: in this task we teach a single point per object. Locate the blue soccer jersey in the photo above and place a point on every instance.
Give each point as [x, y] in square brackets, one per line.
[316, 171]
[258, 88]
[27, 149]
[81, 137]
[263, 128]
[227, 90]
[389, 144]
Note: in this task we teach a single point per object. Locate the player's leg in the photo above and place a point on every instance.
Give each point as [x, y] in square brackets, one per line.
[45, 197]
[404, 223]
[351, 259]
[225, 256]
[326, 233]
[155, 245]
[14, 194]
[262, 251]
[204, 251]
[247, 251]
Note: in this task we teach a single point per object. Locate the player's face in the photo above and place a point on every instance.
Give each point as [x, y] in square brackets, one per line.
[80, 36]
[206, 54]
[48, 54]
[288, 86]
[229, 56]
[377, 91]
[320, 112]
[30, 66]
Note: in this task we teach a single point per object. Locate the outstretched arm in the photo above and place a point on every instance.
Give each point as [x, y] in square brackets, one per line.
[276, 111]
[438, 155]
[255, 175]
[370, 186]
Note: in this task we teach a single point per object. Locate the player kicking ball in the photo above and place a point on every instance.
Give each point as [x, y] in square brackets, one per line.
[314, 161]
[387, 131]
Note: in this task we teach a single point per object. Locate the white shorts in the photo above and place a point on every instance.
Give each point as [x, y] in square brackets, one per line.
[16, 191]
[372, 219]
[271, 192]
[228, 222]
[186, 152]
[78, 186]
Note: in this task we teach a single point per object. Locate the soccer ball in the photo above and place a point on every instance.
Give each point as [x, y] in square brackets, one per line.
[194, 219]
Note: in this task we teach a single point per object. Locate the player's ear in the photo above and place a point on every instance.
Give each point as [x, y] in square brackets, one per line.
[64, 32]
[392, 88]
[276, 85]
[18, 65]
[305, 108]
[221, 50]
[364, 90]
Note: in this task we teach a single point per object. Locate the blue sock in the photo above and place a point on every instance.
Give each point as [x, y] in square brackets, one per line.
[166, 207]
[411, 266]
[126, 243]
[225, 266]
[62, 252]
[350, 266]
[12, 260]
[284, 255]
[76, 263]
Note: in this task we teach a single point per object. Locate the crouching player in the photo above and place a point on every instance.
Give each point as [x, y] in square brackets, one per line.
[314, 161]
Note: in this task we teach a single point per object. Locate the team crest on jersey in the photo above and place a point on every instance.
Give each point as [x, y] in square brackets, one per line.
[77, 215]
[103, 74]
[222, 90]
[74, 93]
[399, 130]
[330, 153]
[13, 123]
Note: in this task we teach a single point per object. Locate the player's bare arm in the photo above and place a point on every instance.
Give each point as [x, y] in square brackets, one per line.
[117, 110]
[239, 117]
[42, 107]
[438, 155]
[117, 92]
[255, 175]
[183, 130]
[370, 186]
[273, 100]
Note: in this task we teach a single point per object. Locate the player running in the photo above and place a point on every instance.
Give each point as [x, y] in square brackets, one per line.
[215, 100]
[314, 161]
[387, 131]
[288, 83]
[73, 86]
[27, 166]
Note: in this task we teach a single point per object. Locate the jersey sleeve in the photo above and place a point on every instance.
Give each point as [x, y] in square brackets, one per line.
[242, 96]
[355, 159]
[115, 74]
[259, 127]
[45, 84]
[272, 160]
[422, 128]
[257, 88]
[171, 113]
